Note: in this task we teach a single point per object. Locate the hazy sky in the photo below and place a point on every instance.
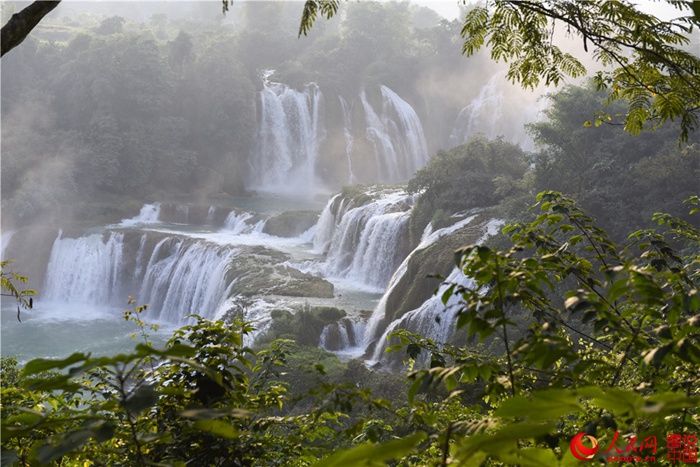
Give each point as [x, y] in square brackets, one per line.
[447, 8]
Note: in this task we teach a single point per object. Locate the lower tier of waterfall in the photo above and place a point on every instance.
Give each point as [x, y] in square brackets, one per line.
[219, 261]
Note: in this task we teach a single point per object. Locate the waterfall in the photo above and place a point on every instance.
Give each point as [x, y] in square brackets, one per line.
[185, 278]
[346, 336]
[433, 319]
[236, 222]
[326, 224]
[140, 256]
[423, 319]
[349, 140]
[377, 254]
[182, 214]
[482, 115]
[5, 238]
[211, 212]
[176, 276]
[149, 214]
[84, 270]
[429, 237]
[407, 131]
[367, 241]
[397, 136]
[498, 110]
[287, 142]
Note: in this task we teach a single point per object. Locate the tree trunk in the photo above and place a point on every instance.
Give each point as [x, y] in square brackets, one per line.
[22, 23]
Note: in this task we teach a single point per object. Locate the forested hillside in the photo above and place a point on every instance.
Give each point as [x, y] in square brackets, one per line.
[98, 110]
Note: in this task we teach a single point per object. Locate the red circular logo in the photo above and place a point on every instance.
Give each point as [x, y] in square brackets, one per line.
[581, 452]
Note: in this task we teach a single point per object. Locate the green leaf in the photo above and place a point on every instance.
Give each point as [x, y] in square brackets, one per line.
[143, 398]
[368, 454]
[217, 427]
[40, 364]
[545, 405]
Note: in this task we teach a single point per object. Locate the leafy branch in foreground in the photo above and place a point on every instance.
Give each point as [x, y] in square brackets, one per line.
[618, 353]
[204, 399]
[8, 288]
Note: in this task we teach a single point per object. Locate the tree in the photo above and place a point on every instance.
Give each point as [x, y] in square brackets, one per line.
[22, 23]
[650, 68]
[619, 179]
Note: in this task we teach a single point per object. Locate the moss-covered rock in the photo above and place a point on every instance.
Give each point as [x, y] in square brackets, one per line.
[258, 271]
[305, 326]
[291, 223]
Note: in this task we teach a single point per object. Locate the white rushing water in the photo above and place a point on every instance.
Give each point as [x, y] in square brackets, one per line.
[363, 243]
[5, 237]
[359, 243]
[347, 133]
[423, 319]
[288, 138]
[397, 135]
[482, 115]
[84, 270]
[149, 214]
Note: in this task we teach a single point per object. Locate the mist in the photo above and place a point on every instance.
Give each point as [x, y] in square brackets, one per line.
[184, 112]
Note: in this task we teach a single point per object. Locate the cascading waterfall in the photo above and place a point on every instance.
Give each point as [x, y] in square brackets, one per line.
[211, 212]
[287, 143]
[366, 241]
[236, 222]
[138, 270]
[5, 238]
[182, 214]
[434, 319]
[496, 111]
[346, 335]
[149, 214]
[423, 319]
[325, 227]
[406, 129]
[186, 278]
[429, 237]
[482, 115]
[84, 270]
[397, 136]
[178, 277]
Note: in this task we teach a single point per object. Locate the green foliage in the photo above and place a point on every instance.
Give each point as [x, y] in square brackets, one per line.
[204, 398]
[472, 175]
[312, 8]
[8, 287]
[648, 66]
[646, 62]
[619, 179]
[622, 350]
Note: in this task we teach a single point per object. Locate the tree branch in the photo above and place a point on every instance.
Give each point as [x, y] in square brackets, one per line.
[22, 23]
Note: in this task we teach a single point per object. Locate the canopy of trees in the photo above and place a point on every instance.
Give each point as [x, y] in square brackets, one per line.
[650, 63]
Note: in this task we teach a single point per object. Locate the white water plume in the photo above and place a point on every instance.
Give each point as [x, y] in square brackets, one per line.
[347, 133]
[397, 135]
[184, 278]
[288, 138]
[149, 214]
[365, 244]
[236, 222]
[84, 270]
[423, 319]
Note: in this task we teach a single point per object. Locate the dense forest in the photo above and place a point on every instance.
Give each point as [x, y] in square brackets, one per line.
[538, 259]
